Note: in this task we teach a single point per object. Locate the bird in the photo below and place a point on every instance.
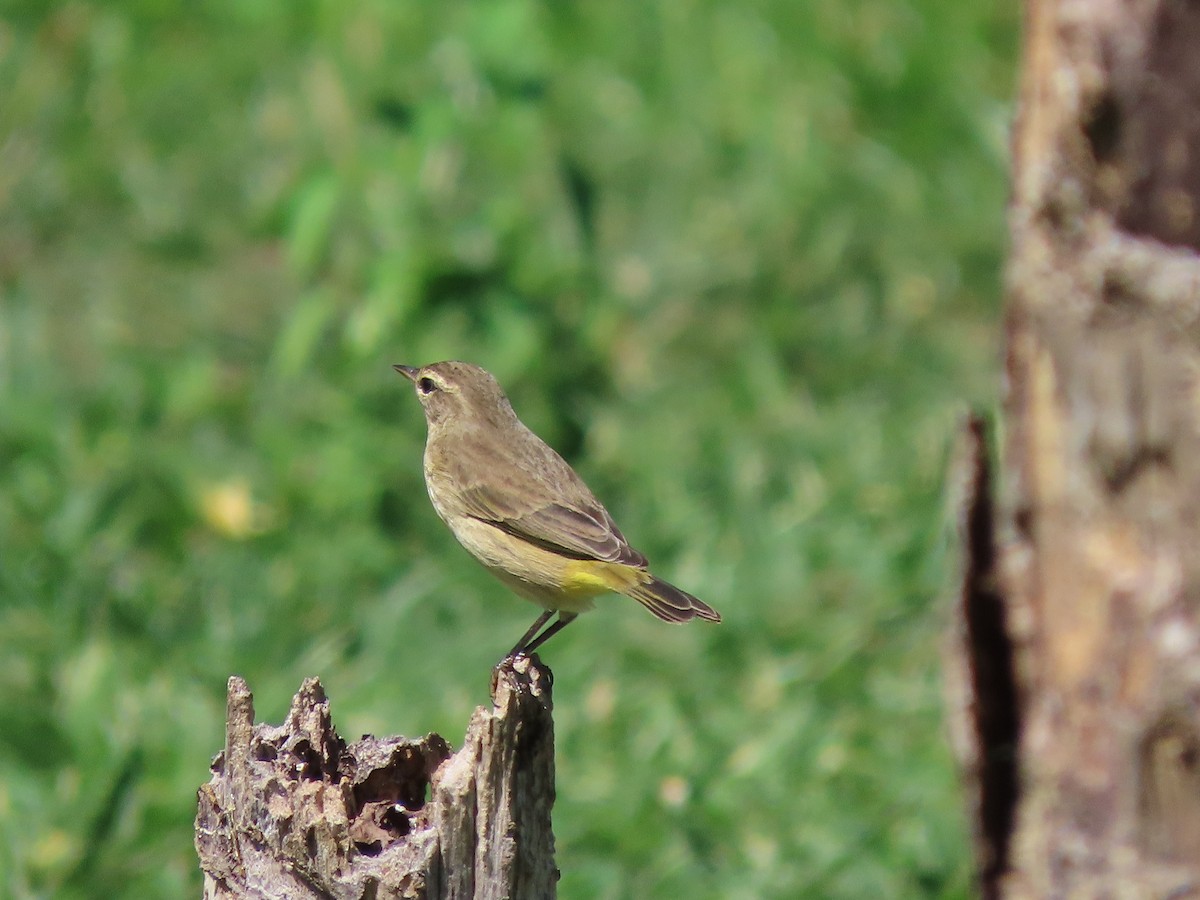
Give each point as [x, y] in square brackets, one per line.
[520, 509]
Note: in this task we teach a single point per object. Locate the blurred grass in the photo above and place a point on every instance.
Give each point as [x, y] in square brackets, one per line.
[739, 262]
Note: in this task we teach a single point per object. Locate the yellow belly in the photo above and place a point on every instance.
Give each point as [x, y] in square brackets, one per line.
[550, 580]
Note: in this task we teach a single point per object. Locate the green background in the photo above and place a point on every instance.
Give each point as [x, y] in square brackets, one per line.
[739, 262]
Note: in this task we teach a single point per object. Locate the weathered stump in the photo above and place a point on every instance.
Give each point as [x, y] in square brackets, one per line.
[1079, 658]
[293, 811]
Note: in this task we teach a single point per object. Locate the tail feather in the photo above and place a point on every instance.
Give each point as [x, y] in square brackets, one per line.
[671, 604]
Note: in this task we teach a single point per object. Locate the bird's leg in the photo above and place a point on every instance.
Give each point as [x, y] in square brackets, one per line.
[564, 619]
[528, 636]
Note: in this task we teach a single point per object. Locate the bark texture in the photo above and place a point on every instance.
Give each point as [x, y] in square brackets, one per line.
[1085, 587]
[293, 811]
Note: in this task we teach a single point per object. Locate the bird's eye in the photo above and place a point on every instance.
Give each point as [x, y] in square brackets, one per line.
[426, 385]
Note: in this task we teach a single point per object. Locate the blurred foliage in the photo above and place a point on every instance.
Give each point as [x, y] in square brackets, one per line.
[737, 261]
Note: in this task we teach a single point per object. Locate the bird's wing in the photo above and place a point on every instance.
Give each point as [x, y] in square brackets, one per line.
[578, 527]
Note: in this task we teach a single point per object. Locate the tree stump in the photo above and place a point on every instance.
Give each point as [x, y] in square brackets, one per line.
[1078, 660]
[295, 812]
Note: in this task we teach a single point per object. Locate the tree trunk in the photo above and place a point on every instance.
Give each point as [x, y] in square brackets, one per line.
[294, 812]
[1079, 628]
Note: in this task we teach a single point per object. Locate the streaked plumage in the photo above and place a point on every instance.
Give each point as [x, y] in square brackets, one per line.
[522, 511]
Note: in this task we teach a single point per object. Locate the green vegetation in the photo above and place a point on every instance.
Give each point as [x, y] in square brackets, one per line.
[739, 262]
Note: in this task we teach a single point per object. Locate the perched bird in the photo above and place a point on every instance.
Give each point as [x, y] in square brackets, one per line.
[518, 508]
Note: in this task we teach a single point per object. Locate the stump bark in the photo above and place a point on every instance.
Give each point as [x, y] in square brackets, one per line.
[1076, 673]
[293, 811]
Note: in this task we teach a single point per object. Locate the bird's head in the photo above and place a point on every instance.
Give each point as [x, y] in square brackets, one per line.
[456, 393]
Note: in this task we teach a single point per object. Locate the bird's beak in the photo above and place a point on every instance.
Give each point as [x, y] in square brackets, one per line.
[409, 372]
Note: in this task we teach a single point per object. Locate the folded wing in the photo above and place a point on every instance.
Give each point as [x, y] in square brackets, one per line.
[580, 530]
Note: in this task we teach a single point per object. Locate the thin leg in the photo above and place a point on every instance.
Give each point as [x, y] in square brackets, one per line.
[528, 636]
[564, 619]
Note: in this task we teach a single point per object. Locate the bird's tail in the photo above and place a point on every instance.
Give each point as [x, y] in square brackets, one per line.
[669, 603]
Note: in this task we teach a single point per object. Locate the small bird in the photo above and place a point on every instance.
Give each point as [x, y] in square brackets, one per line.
[521, 510]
